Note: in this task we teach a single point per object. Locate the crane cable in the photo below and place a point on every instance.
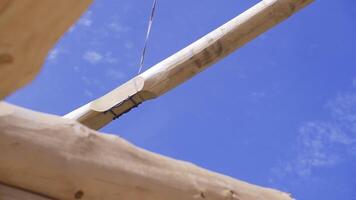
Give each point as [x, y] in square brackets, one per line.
[147, 35]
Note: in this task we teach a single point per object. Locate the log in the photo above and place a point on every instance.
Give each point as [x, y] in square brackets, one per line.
[28, 30]
[187, 63]
[12, 193]
[63, 159]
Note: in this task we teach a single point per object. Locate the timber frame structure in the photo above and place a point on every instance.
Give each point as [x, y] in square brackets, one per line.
[45, 157]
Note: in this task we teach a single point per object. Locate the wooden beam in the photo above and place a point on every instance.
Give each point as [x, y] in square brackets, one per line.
[28, 30]
[63, 159]
[188, 62]
[12, 193]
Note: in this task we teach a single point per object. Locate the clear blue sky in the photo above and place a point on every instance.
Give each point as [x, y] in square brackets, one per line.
[280, 112]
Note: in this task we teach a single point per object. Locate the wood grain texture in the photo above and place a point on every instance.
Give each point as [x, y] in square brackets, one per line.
[62, 159]
[28, 30]
[11, 193]
[188, 62]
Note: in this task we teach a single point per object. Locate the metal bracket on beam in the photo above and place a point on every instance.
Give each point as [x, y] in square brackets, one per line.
[115, 115]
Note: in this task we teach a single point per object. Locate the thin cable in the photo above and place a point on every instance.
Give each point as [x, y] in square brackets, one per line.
[147, 35]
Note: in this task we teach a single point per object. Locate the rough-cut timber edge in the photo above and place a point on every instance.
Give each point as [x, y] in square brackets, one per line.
[12, 193]
[188, 62]
[63, 159]
[28, 30]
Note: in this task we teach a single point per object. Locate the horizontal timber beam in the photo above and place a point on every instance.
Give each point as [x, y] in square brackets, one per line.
[63, 159]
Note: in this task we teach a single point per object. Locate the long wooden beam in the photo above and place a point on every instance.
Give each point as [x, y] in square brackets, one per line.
[63, 159]
[186, 63]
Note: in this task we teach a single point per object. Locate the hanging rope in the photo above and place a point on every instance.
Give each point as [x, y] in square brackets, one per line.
[147, 35]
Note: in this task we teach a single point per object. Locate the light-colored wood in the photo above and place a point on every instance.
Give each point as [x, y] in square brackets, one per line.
[63, 159]
[188, 62]
[28, 30]
[11, 193]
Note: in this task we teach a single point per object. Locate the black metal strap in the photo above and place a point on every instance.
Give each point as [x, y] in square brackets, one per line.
[115, 116]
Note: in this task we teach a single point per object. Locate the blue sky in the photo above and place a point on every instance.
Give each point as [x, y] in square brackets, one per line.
[280, 112]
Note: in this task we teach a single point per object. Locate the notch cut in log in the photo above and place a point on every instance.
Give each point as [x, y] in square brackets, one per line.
[188, 62]
[63, 159]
